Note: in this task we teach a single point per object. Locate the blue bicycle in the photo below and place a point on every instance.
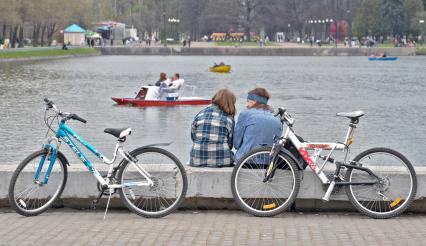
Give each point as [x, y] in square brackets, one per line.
[151, 181]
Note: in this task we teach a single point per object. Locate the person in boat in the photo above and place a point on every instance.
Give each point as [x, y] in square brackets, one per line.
[212, 132]
[256, 126]
[383, 55]
[163, 80]
[218, 65]
[176, 83]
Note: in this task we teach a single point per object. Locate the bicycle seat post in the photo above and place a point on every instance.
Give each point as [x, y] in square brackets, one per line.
[350, 133]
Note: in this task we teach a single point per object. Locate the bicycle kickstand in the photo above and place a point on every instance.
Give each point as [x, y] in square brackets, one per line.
[109, 198]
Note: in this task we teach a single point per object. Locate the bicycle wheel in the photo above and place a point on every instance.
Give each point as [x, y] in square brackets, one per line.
[29, 196]
[396, 187]
[168, 176]
[265, 198]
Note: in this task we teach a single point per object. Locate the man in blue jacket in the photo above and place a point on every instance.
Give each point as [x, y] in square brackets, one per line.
[256, 126]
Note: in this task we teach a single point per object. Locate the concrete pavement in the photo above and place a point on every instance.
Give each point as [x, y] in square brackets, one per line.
[225, 227]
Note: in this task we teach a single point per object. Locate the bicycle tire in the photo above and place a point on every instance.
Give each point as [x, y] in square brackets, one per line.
[20, 206]
[137, 153]
[264, 209]
[374, 209]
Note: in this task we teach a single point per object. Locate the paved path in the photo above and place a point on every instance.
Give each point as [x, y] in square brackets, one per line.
[76, 227]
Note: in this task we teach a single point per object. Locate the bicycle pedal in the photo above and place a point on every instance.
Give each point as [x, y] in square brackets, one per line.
[94, 204]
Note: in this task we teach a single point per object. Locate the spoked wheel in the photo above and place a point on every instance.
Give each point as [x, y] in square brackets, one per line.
[29, 195]
[396, 185]
[268, 198]
[168, 188]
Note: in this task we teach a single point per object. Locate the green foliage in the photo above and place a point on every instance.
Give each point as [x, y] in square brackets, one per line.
[368, 20]
[413, 8]
[394, 15]
[387, 17]
[230, 43]
[421, 51]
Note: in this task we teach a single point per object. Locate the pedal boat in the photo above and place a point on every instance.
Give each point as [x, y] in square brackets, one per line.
[150, 103]
[145, 99]
[383, 58]
[221, 69]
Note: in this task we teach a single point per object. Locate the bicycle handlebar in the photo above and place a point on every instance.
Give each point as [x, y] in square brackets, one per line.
[284, 117]
[280, 112]
[76, 117]
[66, 116]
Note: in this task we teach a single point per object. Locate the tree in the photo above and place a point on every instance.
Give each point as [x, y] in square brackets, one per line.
[251, 13]
[368, 18]
[8, 16]
[394, 15]
[412, 7]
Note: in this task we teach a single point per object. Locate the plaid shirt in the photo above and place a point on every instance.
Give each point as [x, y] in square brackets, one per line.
[211, 133]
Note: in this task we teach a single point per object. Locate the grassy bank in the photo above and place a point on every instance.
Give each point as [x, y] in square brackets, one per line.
[250, 44]
[421, 50]
[16, 54]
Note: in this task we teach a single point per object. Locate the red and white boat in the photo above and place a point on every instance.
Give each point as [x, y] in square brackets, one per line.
[147, 97]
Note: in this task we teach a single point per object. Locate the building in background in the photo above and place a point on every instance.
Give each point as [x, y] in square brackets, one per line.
[74, 35]
[111, 30]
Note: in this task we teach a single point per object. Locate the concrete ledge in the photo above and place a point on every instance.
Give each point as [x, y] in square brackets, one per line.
[229, 51]
[208, 188]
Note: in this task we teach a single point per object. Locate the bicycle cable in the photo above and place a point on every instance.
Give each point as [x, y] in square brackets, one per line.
[49, 125]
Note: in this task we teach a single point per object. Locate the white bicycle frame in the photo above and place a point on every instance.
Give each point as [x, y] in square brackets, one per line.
[317, 147]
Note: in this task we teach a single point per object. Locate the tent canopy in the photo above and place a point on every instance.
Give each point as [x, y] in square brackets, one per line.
[93, 35]
[74, 28]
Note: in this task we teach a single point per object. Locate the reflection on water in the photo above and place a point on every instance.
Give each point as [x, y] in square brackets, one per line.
[312, 88]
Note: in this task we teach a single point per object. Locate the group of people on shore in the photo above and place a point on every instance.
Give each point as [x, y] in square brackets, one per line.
[215, 134]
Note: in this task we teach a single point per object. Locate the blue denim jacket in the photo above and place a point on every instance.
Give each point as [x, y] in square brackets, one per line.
[255, 128]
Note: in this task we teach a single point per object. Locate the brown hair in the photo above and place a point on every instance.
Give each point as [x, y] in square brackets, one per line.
[163, 76]
[259, 91]
[225, 100]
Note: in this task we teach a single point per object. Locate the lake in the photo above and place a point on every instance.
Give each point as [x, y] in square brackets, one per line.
[313, 89]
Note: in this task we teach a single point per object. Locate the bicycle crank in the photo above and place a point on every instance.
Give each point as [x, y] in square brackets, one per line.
[107, 192]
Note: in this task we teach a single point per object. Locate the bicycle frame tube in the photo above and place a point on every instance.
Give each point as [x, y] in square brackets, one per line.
[64, 133]
[303, 150]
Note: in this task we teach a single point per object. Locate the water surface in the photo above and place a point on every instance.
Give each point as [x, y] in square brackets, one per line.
[313, 89]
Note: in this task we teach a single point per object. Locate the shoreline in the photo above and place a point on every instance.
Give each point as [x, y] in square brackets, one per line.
[41, 54]
[234, 51]
[53, 54]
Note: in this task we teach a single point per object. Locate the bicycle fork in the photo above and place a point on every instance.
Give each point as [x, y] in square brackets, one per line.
[271, 166]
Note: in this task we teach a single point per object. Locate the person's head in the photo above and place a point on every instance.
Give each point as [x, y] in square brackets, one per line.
[163, 76]
[225, 100]
[258, 98]
[177, 76]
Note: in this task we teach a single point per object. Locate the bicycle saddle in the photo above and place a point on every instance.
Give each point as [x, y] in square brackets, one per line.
[119, 132]
[352, 115]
